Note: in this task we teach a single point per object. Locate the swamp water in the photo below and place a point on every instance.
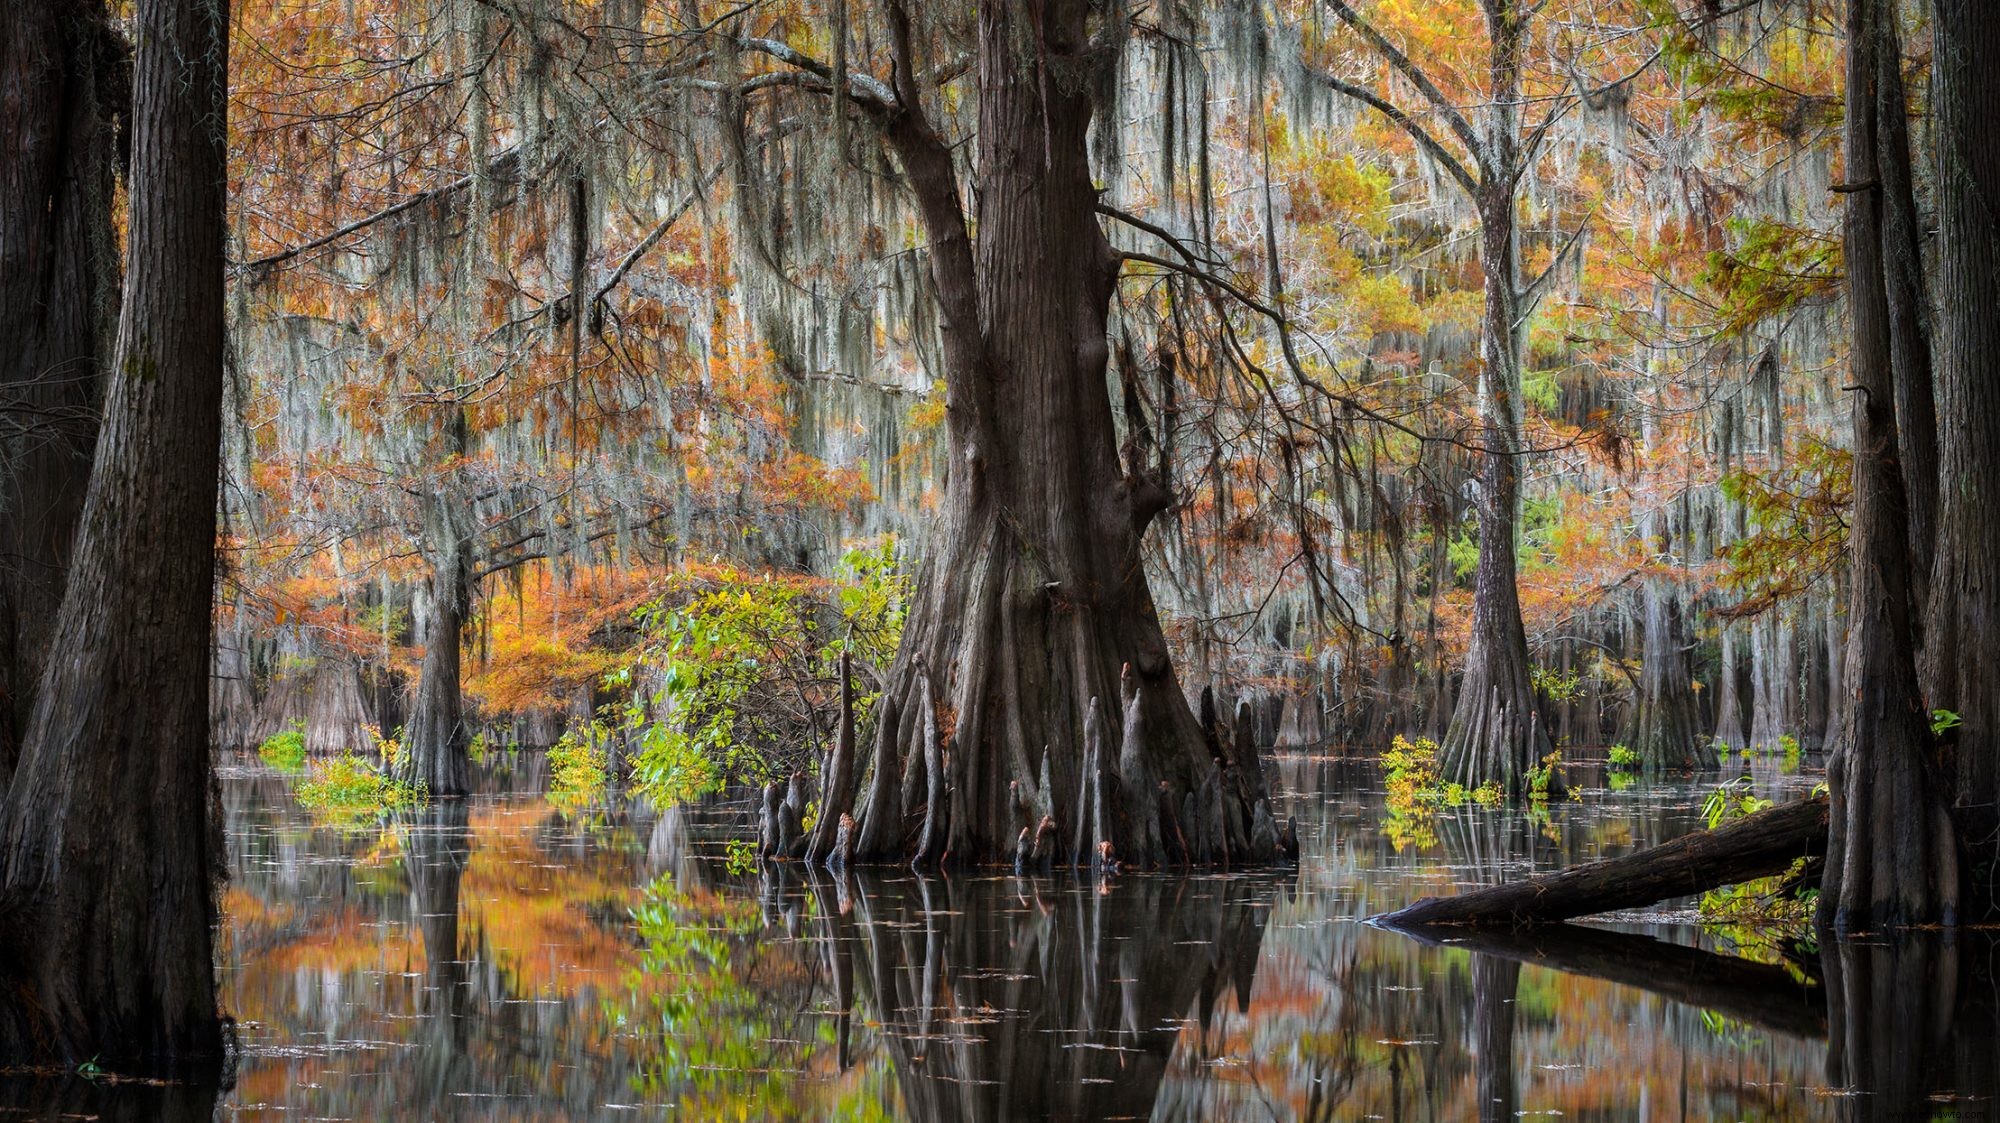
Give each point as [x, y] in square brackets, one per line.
[508, 958]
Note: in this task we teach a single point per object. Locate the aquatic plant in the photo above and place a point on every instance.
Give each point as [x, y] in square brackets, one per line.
[349, 788]
[286, 749]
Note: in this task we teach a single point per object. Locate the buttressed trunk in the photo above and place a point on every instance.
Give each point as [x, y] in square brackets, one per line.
[107, 844]
[435, 738]
[67, 77]
[1496, 732]
[1033, 597]
[1965, 591]
[1892, 855]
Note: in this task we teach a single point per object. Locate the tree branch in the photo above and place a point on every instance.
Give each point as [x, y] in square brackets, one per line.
[1460, 127]
[1410, 125]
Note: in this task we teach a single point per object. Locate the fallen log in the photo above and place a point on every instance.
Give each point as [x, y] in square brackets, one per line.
[1760, 994]
[1760, 845]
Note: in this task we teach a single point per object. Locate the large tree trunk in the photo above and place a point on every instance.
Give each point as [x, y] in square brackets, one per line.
[1034, 595]
[62, 77]
[435, 736]
[1964, 626]
[1909, 310]
[1892, 858]
[1496, 733]
[108, 844]
[1665, 731]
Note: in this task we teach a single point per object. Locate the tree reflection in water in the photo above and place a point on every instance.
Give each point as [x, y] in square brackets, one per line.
[505, 958]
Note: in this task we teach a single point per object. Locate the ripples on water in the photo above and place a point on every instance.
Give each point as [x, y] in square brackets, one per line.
[504, 958]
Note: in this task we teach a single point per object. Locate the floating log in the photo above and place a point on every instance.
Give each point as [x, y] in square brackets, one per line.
[838, 775]
[1761, 845]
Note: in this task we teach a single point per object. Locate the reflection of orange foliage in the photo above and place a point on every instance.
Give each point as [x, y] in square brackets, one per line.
[546, 640]
[535, 918]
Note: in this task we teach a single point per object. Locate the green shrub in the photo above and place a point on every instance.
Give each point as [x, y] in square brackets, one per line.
[348, 787]
[1624, 756]
[285, 751]
[747, 667]
[576, 771]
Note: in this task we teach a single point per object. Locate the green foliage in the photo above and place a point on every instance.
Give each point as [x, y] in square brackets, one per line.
[696, 1018]
[739, 857]
[1768, 269]
[1798, 520]
[1556, 686]
[479, 748]
[576, 767]
[1624, 756]
[1463, 553]
[1416, 792]
[1542, 778]
[348, 788]
[285, 750]
[747, 668]
[1944, 721]
[1731, 799]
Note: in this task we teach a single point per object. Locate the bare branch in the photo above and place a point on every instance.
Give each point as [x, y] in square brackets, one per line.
[1394, 55]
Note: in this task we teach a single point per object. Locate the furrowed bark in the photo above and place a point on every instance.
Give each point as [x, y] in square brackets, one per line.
[1495, 734]
[881, 815]
[1893, 855]
[108, 852]
[64, 76]
[1761, 845]
[1033, 595]
[1964, 623]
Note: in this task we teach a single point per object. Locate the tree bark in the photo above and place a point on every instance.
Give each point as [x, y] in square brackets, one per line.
[1892, 856]
[435, 737]
[1496, 733]
[63, 76]
[1908, 309]
[108, 849]
[1762, 845]
[1665, 732]
[1964, 624]
[1034, 594]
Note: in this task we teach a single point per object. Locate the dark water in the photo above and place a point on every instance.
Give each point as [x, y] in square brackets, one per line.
[507, 958]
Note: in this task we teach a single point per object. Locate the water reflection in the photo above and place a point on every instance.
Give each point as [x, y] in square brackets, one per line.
[505, 958]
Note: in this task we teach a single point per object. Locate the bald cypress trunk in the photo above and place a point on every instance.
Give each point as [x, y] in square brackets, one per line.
[1496, 733]
[436, 737]
[1965, 593]
[108, 849]
[1034, 596]
[1892, 856]
[62, 78]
